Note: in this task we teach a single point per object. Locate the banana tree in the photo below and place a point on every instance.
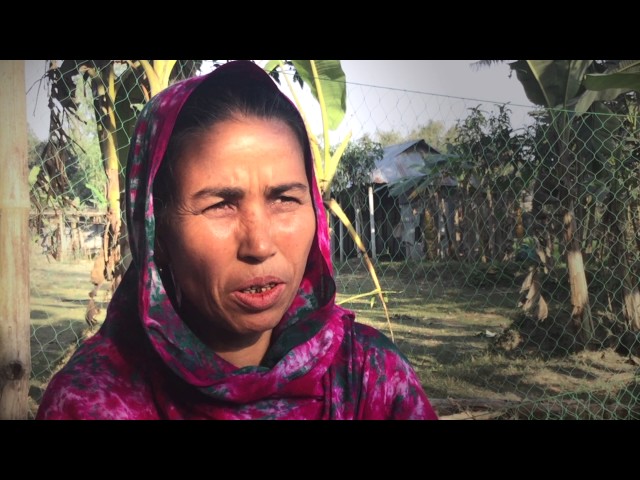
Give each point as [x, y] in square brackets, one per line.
[619, 77]
[326, 80]
[568, 89]
[554, 84]
[118, 89]
[623, 202]
[612, 104]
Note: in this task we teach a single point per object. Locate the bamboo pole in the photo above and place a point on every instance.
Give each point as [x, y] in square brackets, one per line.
[372, 224]
[15, 351]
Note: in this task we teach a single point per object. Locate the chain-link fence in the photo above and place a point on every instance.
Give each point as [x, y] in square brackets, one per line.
[506, 240]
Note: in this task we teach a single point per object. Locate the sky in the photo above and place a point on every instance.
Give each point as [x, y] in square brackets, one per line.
[37, 110]
[443, 77]
[448, 89]
[371, 108]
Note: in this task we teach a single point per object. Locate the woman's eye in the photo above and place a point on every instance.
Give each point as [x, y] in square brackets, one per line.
[218, 206]
[284, 199]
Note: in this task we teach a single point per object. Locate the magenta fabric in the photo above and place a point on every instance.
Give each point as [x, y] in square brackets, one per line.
[145, 363]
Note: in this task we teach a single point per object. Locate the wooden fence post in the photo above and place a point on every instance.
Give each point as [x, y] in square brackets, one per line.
[15, 350]
[62, 237]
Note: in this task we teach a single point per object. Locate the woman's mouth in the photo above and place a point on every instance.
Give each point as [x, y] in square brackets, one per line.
[260, 295]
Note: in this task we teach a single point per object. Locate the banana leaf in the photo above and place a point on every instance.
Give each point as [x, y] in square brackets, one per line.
[333, 85]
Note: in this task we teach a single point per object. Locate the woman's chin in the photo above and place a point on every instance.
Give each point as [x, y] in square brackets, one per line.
[251, 327]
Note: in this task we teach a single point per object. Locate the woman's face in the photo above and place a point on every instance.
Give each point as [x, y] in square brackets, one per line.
[238, 236]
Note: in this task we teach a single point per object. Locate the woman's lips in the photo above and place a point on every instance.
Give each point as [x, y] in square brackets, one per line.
[260, 294]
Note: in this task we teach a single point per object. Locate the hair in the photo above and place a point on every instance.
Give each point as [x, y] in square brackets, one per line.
[219, 100]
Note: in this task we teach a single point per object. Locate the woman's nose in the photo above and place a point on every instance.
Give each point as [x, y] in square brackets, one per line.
[256, 243]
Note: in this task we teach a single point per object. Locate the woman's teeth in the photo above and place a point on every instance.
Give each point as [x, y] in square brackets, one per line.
[259, 288]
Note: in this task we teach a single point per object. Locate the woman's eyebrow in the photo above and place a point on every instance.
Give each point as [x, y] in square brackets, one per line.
[286, 187]
[229, 193]
[236, 193]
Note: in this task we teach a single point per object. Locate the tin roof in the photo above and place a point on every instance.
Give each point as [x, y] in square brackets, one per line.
[402, 160]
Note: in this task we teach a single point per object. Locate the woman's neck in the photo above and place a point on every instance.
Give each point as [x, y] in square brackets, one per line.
[241, 350]
[244, 354]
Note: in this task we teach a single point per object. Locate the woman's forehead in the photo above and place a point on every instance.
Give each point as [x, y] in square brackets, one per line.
[239, 150]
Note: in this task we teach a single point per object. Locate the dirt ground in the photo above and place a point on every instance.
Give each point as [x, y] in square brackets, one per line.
[478, 357]
[59, 299]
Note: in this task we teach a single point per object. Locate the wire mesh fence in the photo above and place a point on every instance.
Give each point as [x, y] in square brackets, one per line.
[506, 239]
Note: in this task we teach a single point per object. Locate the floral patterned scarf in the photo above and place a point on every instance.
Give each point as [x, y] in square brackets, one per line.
[145, 363]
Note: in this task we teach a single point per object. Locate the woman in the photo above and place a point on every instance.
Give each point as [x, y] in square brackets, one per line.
[228, 308]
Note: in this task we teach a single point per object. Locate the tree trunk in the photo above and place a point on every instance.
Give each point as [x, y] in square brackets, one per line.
[635, 223]
[631, 299]
[628, 293]
[15, 350]
[449, 213]
[580, 212]
[62, 237]
[533, 303]
[465, 224]
[590, 227]
[492, 225]
[103, 84]
[485, 228]
[76, 244]
[505, 226]
[632, 294]
[581, 308]
[547, 244]
[430, 234]
[474, 223]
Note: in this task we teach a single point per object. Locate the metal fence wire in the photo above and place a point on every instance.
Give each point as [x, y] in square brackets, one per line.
[506, 241]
